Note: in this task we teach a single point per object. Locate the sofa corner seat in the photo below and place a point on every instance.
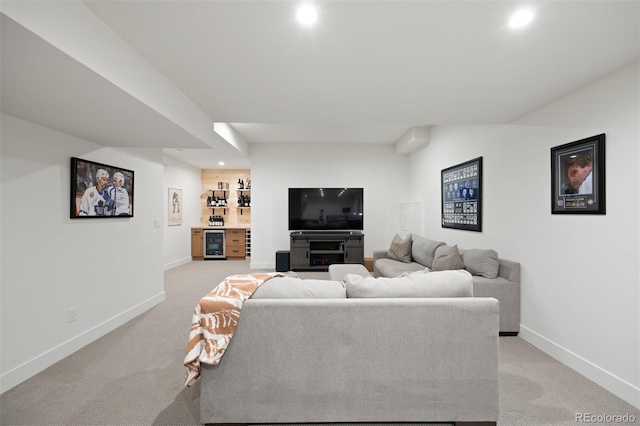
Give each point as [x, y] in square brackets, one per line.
[505, 287]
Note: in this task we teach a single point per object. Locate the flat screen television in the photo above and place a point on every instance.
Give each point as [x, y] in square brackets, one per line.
[326, 209]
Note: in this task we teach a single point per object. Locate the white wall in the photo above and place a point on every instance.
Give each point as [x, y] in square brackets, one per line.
[580, 277]
[177, 238]
[277, 167]
[109, 269]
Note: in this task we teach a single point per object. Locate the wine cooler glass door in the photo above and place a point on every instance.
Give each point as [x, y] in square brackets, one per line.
[214, 244]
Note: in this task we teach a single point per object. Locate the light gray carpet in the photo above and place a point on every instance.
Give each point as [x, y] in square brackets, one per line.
[111, 382]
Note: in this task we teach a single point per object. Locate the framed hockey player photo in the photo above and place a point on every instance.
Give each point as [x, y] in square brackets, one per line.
[100, 191]
[578, 177]
[462, 196]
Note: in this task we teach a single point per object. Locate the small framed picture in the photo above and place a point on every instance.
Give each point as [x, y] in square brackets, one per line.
[462, 196]
[578, 177]
[175, 207]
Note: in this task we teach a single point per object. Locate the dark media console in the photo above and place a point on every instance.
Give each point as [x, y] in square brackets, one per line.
[312, 250]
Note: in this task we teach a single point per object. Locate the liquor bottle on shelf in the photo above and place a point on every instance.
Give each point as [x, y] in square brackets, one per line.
[248, 183]
[216, 220]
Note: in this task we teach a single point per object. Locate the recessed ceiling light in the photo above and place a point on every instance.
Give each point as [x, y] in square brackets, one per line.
[221, 163]
[521, 18]
[307, 14]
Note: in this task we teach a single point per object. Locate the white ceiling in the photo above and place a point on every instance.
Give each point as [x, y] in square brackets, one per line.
[366, 73]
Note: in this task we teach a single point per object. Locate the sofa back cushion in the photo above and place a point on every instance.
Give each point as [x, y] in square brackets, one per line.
[392, 268]
[423, 250]
[457, 283]
[443, 249]
[296, 288]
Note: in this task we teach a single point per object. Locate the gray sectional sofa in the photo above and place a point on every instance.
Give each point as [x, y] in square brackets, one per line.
[316, 351]
[492, 275]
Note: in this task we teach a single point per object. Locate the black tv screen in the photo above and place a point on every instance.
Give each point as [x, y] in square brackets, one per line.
[326, 209]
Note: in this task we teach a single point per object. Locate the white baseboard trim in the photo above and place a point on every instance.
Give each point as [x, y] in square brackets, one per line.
[617, 386]
[177, 263]
[32, 367]
[262, 265]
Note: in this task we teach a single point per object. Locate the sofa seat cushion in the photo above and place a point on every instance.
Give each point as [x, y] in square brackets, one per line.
[296, 288]
[393, 268]
[457, 283]
[337, 271]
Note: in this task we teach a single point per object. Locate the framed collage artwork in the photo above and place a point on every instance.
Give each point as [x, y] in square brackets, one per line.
[462, 196]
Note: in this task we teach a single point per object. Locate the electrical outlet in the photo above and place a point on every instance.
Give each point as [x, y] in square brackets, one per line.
[72, 314]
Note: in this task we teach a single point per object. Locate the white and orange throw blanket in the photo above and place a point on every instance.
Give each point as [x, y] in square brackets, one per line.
[215, 319]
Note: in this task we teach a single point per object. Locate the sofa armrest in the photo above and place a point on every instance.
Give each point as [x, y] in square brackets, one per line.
[379, 254]
[509, 270]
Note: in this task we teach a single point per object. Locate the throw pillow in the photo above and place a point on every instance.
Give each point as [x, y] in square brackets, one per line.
[400, 249]
[481, 262]
[450, 260]
[434, 284]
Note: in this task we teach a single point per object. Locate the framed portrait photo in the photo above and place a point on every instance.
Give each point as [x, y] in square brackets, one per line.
[462, 196]
[100, 191]
[175, 206]
[578, 177]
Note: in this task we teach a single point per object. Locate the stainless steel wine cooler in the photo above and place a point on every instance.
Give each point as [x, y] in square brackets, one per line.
[214, 244]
